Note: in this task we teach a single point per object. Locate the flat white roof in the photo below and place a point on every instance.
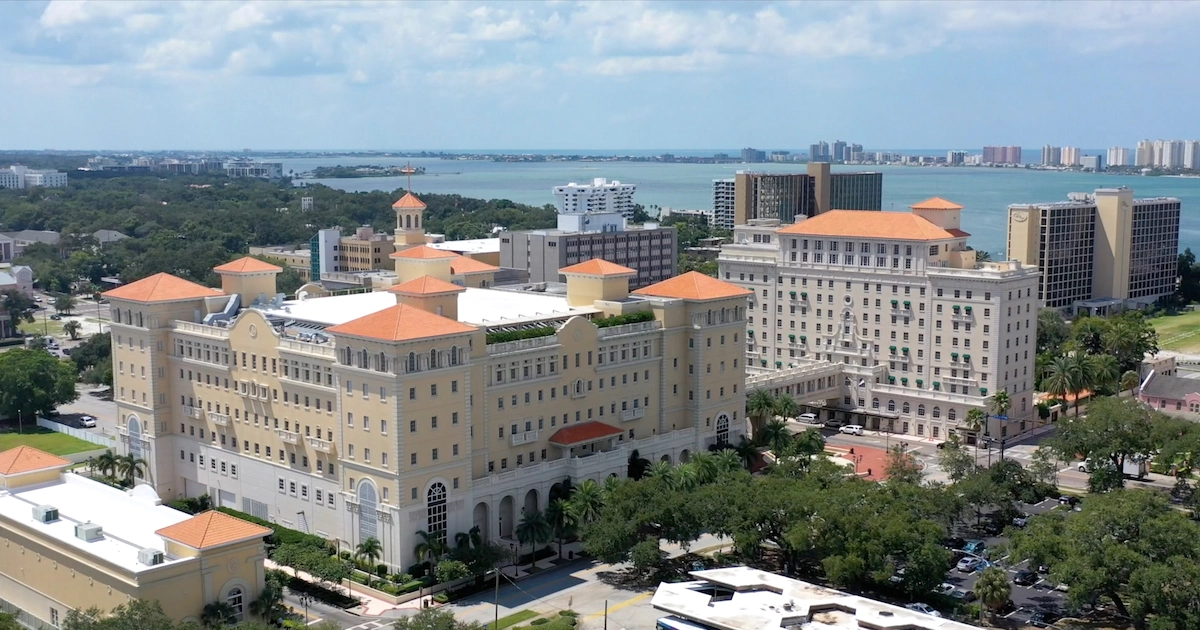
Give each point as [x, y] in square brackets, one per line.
[765, 601]
[470, 246]
[128, 521]
[480, 307]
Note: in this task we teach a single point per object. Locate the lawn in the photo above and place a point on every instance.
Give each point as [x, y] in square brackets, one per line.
[1180, 333]
[511, 620]
[46, 440]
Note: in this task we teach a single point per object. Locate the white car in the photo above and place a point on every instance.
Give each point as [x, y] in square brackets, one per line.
[924, 608]
[851, 429]
[807, 417]
[88, 422]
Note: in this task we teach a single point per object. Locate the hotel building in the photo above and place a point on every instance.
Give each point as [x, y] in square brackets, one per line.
[788, 197]
[1105, 248]
[599, 196]
[922, 332]
[67, 543]
[435, 405]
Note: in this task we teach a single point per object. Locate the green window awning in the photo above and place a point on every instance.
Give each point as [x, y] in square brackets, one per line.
[966, 357]
[954, 354]
[751, 331]
[764, 362]
[968, 309]
[792, 337]
[983, 390]
[920, 382]
[904, 379]
[804, 294]
[907, 304]
[803, 338]
[895, 302]
[957, 307]
[892, 348]
[779, 364]
[937, 385]
[892, 379]
[905, 350]
[793, 294]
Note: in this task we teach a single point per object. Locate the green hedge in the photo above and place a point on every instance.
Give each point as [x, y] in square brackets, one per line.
[618, 320]
[517, 335]
[282, 535]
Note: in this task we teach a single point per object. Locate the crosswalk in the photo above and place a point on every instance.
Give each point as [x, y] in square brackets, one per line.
[376, 624]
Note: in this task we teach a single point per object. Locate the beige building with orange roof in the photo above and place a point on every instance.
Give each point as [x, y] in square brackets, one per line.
[923, 331]
[67, 542]
[440, 404]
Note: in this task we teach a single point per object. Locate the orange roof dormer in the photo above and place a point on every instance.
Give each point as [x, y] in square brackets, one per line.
[423, 252]
[462, 266]
[247, 264]
[599, 267]
[401, 323]
[936, 203]
[161, 287]
[212, 529]
[693, 285]
[27, 459]
[409, 202]
[427, 285]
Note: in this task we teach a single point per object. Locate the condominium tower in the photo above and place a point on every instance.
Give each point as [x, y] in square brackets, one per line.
[599, 196]
[789, 196]
[1002, 155]
[431, 406]
[920, 331]
[1104, 245]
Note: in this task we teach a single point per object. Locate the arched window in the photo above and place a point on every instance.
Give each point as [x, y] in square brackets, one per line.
[134, 428]
[891, 405]
[139, 319]
[235, 601]
[364, 360]
[951, 414]
[920, 410]
[368, 520]
[435, 511]
[407, 221]
[453, 355]
[722, 428]
[412, 361]
[117, 315]
[433, 360]
[874, 403]
[937, 412]
[906, 408]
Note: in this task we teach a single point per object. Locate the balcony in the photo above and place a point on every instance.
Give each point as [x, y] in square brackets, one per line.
[192, 412]
[524, 438]
[317, 444]
[291, 437]
[633, 414]
[218, 419]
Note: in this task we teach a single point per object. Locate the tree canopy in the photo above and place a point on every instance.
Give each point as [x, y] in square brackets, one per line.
[34, 382]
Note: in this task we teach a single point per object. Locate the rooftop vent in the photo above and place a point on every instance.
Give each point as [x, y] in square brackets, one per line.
[150, 557]
[45, 513]
[89, 532]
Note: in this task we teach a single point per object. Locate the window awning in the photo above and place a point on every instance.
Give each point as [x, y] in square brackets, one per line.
[584, 433]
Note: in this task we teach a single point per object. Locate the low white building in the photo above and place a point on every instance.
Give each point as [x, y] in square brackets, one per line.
[741, 598]
[20, 177]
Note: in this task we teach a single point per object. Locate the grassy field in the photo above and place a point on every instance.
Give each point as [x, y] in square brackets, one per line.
[1180, 333]
[44, 439]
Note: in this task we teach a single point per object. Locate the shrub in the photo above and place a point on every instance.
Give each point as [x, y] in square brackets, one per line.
[442, 597]
[517, 335]
[381, 570]
[322, 594]
[539, 621]
[345, 555]
[410, 586]
[418, 570]
[282, 535]
[619, 320]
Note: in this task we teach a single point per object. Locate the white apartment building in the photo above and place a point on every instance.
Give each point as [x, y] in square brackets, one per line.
[1191, 154]
[1119, 156]
[600, 196]
[724, 194]
[1070, 156]
[18, 176]
[923, 331]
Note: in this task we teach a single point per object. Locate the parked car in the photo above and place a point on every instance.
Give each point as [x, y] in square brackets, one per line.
[976, 547]
[1025, 577]
[1043, 618]
[851, 429]
[968, 564]
[945, 588]
[1067, 499]
[924, 609]
[88, 422]
[963, 595]
[833, 424]
[37, 298]
[807, 417]
[1021, 521]
[56, 317]
[898, 576]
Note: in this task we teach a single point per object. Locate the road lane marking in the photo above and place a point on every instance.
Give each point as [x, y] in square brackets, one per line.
[615, 607]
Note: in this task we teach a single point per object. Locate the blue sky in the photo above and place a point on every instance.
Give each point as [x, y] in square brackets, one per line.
[611, 75]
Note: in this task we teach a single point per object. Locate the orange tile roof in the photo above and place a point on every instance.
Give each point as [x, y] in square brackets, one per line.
[959, 233]
[598, 267]
[23, 459]
[212, 529]
[423, 252]
[936, 203]
[409, 202]
[427, 285]
[586, 432]
[401, 323]
[463, 265]
[865, 224]
[693, 285]
[161, 287]
[246, 264]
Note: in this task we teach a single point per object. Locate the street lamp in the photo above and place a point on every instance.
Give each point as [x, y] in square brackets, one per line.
[1001, 418]
[305, 598]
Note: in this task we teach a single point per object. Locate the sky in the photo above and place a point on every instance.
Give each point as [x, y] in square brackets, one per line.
[594, 75]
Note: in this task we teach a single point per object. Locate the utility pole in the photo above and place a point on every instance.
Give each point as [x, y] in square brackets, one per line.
[496, 600]
[606, 614]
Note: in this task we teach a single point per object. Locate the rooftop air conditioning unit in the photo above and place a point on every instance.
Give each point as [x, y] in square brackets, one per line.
[150, 557]
[89, 532]
[45, 513]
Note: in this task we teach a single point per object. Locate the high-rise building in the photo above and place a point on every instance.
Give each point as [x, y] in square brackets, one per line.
[1104, 245]
[1001, 155]
[1191, 154]
[1051, 156]
[819, 152]
[788, 196]
[1145, 153]
[956, 158]
[1092, 162]
[839, 151]
[724, 203]
[1119, 156]
[19, 176]
[753, 155]
[599, 196]
[650, 250]
[854, 153]
[921, 331]
[1172, 154]
[1069, 156]
[381, 414]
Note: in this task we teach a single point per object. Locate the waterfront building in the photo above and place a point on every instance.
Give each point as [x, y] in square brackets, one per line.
[753, 155]
[724, 203]
[819, 152]
[650, 249]
[1104, 246]
[1145, 153]
[1191, 154]
[432, 406]
[20, 177]
[1001, 155]
[599, 196]
[1119, 156]
[1051, 156]
[70, 543]
[921, 331]
[249, 168]
[1092, 162]
[742, 598]
[1069, 156]
[956, 158]
[788, 196]
[839, 151]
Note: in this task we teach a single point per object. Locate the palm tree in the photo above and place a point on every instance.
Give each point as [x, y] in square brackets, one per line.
[610, 485]
[71, 327]
[1057, 380]
[1081, 377]
[218, 615]
[786, 406]
[470, 539]
[106, 464]
[663, 470]
[993, 588]
[1001, 403]
[982, 256]
[1130, 380]
[130, 468]
[1105, 371]
[558, 515]
[371, 549]
[269, 604]
[533, 529]
[685, 477]
[430, 548]
[706, 466]
[775, 436]
[586, 501]
[976, 422]
[727, 461]
[747, 451]
[760, 405]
